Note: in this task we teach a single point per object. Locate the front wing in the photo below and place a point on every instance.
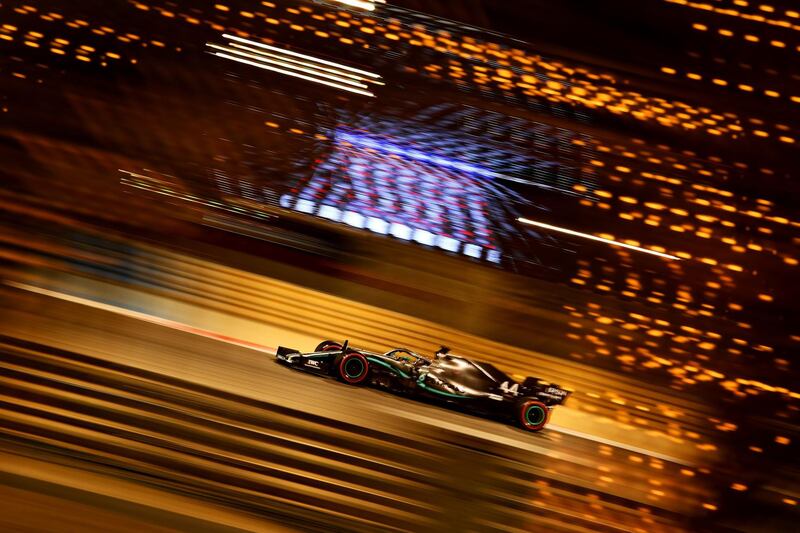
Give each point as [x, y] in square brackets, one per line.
[318, 362]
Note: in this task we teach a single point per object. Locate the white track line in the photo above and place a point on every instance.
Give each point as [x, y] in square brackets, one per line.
[172, 324]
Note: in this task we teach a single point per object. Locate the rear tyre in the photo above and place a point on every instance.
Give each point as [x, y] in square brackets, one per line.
[353, 368]
[328, 346]
[532, 415]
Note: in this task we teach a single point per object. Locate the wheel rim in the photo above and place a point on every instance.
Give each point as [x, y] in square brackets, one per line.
[354, 368]
[534, 415]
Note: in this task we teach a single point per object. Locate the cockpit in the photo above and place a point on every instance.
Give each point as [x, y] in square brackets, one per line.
[407, 356]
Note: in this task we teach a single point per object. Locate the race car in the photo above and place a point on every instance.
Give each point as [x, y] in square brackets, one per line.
[472, 386]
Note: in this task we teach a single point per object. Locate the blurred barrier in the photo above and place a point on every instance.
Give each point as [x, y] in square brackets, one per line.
[308, 470]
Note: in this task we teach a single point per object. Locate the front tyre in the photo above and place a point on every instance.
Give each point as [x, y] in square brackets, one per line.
[353, 368]
[532, 415]
[328, 346]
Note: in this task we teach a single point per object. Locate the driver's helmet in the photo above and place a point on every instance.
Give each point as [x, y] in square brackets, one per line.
[405, 355]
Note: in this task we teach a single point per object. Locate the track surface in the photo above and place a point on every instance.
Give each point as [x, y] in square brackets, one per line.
[227, 424]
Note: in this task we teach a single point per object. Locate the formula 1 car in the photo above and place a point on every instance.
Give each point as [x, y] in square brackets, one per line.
[472, 386]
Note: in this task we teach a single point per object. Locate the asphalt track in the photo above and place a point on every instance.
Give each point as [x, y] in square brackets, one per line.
[263, 310]
[223, 423]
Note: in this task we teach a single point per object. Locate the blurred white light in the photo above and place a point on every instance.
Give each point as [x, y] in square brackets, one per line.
[305, 206]
[286, 201]
[284, 64]
[304, 63]
[595, 238]
[362, 4]
[353, 219]
[330, 212]
[401, 231]
[291, 73]
[424, 237]
[448, 243]
[298, 54]
[472, 250]
[378, 225]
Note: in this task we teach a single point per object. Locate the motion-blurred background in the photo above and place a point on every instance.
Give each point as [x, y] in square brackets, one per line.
[187, 185]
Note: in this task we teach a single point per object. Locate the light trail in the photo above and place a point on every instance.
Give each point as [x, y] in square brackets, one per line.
[298, 54]
[363, 4]
[305, 63]
[294, 74]
[278, 60]
[259, 57]
[367, 141]
[612, 242]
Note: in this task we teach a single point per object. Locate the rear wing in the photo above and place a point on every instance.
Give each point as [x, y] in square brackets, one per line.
[550, 393]
[555, 394]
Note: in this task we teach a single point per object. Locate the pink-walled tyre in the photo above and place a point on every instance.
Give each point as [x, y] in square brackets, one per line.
[328, 346]
[532, 415]
[353, 368]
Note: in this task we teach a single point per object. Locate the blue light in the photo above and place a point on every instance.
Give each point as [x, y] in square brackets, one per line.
[411, 153]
